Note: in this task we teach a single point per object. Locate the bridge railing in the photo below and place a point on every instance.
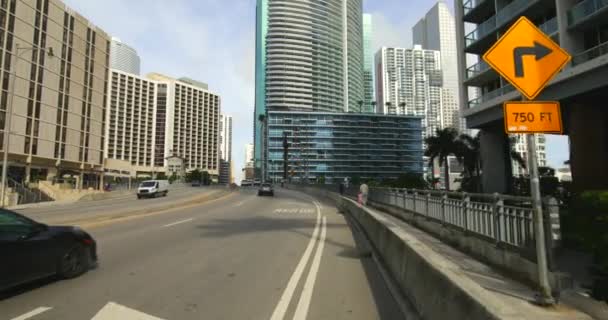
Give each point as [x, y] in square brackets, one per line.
[503, 219]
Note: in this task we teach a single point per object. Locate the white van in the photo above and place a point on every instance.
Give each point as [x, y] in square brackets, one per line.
[153, 188]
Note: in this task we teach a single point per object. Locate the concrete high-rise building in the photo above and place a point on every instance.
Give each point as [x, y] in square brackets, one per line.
[187, 125]
[579, 28]
[57, 117]
[368, 65]
[309, 57]
[225, 149]
[249, 154]
[123, 57]
[152, 118]
[437, 31]
[130, 143]
[409, 82]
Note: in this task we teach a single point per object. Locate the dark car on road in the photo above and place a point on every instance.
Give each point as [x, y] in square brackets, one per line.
[30, 250]
[266, 190]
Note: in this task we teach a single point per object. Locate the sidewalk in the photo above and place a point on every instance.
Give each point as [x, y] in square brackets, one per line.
[512, 294]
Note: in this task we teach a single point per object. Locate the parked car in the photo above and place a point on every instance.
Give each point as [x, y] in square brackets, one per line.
[196, 183]
[246, 183]
[153, 188]
[266, 189]
[256, 183]
[32, 250]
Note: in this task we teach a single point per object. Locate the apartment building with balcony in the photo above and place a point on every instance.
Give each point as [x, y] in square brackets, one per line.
[59, 62]
[334, 146]
[581, 28]
[225, 149]
[187, 125]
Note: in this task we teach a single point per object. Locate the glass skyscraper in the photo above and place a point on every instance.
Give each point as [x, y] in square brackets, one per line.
[368, 65]
[333, 146]
[309, 57]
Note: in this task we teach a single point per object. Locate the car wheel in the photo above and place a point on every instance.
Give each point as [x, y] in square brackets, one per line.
[138, 196]
[74, 263]
[166, 193]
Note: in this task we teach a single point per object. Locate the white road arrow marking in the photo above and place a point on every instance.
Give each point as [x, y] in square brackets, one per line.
[32, 313]
[114, 311]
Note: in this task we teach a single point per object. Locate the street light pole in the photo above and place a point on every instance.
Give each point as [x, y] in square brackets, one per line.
[9, 115]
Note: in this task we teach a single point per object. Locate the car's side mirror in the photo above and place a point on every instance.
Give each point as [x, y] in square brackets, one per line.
[35, 230]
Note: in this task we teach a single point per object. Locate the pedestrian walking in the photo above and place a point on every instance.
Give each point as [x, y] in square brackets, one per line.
[364, 191]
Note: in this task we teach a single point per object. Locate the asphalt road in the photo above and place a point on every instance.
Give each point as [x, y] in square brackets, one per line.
[238, 257]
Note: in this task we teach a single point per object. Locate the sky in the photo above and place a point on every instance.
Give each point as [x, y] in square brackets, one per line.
[213, 41]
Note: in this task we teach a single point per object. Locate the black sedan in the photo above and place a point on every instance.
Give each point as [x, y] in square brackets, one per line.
[266, 190]
[30, 250]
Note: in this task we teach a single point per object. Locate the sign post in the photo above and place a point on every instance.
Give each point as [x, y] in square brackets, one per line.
[529, 59]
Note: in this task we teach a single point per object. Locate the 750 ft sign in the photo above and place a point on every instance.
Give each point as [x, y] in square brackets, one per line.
[532, 117]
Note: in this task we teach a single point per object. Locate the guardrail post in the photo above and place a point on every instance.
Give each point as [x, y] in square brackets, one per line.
[444, 199]
[551, 220]
[466, 201]
[497, 213]
[427, 205]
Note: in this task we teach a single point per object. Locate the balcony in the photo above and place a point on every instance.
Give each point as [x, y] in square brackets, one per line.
[586, 11]
[549, 27]
[491, 95]
[472, 40]
[476, 10]
[590, 54]
[479, 74]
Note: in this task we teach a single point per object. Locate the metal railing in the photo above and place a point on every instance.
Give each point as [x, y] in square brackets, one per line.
[26, 195]
[477, 68]
[491, 95]
[498, 218]
[470, 5]
[590, 54]
[585, 9]
[550, 27]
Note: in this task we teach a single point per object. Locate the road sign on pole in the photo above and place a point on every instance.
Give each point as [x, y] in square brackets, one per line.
[527, 58]
[533, 117]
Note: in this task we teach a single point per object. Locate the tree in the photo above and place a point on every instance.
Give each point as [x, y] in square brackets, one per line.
[388, 107]
[194, 175]
[321, 180]
[445, 143]
[410, 180]
[374, 103]
[402, 106]
[471, 155]
[205, 178]
[360, 103]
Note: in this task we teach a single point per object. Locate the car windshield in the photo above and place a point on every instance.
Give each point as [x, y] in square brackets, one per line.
[148, 184]
[266, 185]
[10, 218]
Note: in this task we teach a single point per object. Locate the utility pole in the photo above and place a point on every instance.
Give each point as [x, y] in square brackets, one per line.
[285, 155]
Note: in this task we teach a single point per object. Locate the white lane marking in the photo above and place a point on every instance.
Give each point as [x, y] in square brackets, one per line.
[281, 308]
[240, 204]
[114, 311]
[178, 222]
[32, 313]
[309, 285]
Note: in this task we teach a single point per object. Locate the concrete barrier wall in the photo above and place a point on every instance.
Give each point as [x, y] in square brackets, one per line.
[434, 285]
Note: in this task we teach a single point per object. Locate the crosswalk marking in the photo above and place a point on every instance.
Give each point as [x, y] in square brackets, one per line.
[32, 313]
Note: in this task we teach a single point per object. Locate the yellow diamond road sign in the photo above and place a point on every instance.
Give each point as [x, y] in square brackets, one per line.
[526, 57]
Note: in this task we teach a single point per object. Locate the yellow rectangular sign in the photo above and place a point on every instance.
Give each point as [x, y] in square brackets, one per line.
[533, 117]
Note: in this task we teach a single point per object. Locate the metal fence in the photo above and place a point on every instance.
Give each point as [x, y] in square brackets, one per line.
[501, 218]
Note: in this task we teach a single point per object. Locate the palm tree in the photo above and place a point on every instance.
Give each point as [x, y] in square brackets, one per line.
[471, 154]
[444, 144]
[360, 102]
[374, 103]
[388, 107]
[402, 106]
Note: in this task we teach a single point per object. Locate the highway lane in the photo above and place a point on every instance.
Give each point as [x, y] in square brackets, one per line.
[239, 257]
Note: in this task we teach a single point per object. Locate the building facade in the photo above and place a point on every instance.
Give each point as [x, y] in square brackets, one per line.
[369, 97]
[409, 82]
[187, 125]
[334, 146]
[131, 123]
[306, 60]
[579, 27]
[124, 58]
[437, 31]
[58, 108]
[225, 149]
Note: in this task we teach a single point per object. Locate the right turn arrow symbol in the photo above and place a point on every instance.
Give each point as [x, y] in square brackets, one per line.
[538, 50]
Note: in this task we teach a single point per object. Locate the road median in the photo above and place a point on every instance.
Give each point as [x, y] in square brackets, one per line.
[130, 214]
